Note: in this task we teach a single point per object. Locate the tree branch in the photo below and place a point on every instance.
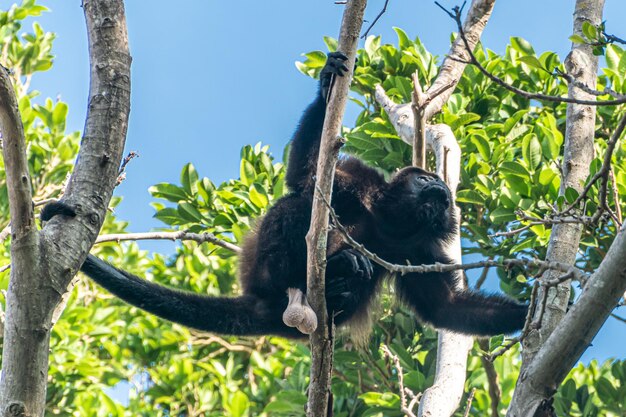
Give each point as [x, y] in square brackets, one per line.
[452, 67]
[456, 15]
[37, 289]
[24, 374]
[534, 390]
[322, 339]
[179, 235]
[14, 152]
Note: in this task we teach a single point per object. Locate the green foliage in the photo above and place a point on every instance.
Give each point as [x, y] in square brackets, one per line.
[230, 207]
[511, 148]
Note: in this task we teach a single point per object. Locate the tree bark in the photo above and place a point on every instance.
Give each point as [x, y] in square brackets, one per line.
[443, 397]
[451, 69]
[44, 263]
[578, 152]
[316, 239]
[26, 335]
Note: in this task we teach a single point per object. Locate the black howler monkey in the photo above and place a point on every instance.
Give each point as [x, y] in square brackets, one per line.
[409, 218]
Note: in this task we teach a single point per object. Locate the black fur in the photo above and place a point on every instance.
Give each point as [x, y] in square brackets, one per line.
[408, 219]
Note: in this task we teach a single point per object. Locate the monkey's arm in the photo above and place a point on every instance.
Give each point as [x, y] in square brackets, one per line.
[435, 299]
[306, 140]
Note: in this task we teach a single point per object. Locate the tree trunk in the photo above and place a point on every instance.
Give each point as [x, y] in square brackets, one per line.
[322, 338]
[582, 65]
[43, 263]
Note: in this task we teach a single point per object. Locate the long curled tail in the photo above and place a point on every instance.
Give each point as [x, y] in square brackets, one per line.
[247, 315]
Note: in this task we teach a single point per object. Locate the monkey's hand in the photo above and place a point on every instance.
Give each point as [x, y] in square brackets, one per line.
[346, 272]
[299, 313]
[335, 66]
[349, 264]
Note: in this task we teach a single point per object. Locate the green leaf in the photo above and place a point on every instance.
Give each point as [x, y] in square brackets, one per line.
[188, 179]
[501, 215]
[331, 43]
[577, 39]
[606, 391]
[239, 404]
[189, 212]
[495, 342]
[532, 61]
[590, 31]
[514, 168]
[246, 172]
[571, 195]
[470, 196]
[546, 176]
[522, 45]
[169, 216]
[482, 145]
[531, 150]
[258, 196]
[613, 57]
[403, 39]
[169, 192]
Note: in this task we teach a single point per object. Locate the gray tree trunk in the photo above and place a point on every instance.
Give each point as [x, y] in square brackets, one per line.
[43, 263]
[564, 240]
[322, 338]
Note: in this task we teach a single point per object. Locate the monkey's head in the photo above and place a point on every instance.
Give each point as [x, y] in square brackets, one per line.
[416, 202]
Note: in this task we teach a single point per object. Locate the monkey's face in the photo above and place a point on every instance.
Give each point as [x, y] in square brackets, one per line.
[417, 202]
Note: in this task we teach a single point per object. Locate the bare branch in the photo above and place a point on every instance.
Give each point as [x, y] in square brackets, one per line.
[121, 174]
[534, 387]
[452, 69]
[495, 393]
[322, 339]
[456, 15]
[406, 408]
[613, 38]
[418, 107]
[180, 235]
[14, 151]
[468, 405]
[367, 31]
[24, 374]
[602, 174]
[48, 266]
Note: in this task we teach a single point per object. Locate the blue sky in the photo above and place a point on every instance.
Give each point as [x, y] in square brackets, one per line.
[209, 77]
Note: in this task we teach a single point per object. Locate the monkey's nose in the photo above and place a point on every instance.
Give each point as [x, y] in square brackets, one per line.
[436, 194]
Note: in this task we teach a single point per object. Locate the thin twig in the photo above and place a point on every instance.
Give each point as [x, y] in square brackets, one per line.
[483, 276]
[456, 16]
[576, 273]
[620, 318]
[375, 20]
[527, 327]
[407, 409]
[494, 391]
[121, 175]
[616, 202]
[180, 235]
[468, 406]
[603, 173]
[613, 38]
